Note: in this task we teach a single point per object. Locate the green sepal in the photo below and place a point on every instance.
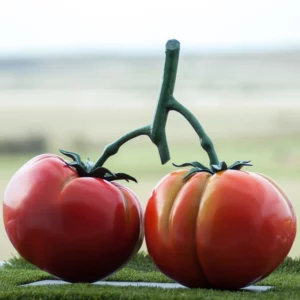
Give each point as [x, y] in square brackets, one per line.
[239, 164]
[89, 171]
[100, 172]
[222, 166]
[76, 157]
[194, 171]
[195, 164]
[79, 169]
[118, 176]
[89, 165]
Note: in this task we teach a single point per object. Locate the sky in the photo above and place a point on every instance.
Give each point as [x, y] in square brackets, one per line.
[60, 26]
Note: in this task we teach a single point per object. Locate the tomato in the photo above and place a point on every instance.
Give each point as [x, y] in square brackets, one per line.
[225, 230]
[79, 229]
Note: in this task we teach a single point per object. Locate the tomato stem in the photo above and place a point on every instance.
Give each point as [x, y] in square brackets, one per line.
[205, 140]
[114, 147]
[158, 129]
[166, 102]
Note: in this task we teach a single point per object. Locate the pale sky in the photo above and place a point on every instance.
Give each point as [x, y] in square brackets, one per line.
[41, 26]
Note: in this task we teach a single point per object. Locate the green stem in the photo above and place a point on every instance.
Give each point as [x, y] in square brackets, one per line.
[206, 142]
[166, 102]
[114, 147]
[158, 129]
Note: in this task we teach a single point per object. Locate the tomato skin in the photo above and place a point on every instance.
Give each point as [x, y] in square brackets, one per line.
[226, 230]
[79, 229]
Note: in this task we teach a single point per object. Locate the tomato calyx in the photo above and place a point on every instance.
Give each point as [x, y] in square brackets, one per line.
[88, 170]
[222, 166]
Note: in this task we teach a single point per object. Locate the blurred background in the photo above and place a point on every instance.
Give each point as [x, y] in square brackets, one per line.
[77, 75]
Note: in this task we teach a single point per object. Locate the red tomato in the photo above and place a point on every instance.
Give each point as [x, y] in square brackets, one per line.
[80, 229]
[226, 230]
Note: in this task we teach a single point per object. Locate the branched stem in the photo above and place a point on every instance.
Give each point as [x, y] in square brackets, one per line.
[166, 102]
[158, 129]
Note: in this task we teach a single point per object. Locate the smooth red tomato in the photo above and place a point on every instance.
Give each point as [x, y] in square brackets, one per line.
[80, 229]
[226, 230]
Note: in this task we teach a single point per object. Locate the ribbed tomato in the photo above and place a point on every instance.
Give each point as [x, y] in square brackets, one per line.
[226, 230]
[80, 229]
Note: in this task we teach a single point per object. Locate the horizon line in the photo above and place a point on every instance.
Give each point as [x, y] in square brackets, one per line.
[142, 51]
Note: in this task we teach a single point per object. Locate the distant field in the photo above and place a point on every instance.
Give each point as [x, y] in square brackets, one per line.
[244, 72]
[249, 105]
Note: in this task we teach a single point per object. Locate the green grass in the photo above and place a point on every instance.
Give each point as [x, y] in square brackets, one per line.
[285, 279]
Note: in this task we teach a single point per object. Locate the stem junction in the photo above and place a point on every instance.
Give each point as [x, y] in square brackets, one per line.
[166, 102]
[156, 131]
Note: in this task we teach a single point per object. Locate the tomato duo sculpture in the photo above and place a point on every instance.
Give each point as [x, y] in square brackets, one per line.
[217, 227]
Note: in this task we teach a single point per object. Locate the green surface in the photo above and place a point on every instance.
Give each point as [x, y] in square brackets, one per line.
[286, 282]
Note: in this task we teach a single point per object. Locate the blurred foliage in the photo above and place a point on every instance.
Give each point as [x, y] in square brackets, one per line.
[25, 145]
